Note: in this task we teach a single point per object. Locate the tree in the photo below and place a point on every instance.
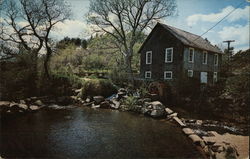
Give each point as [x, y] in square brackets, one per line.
[28, 23]
[125, 20]
[84, 43]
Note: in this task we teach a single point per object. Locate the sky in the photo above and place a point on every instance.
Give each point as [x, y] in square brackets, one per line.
[195, 16]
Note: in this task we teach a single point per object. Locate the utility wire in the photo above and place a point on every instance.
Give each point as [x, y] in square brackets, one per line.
[219, 21]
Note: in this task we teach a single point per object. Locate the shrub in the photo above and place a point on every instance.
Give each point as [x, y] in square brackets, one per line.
[94, 87]
[60, 84]
[130, 102]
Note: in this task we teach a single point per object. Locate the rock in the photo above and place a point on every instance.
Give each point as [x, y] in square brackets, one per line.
[209, 140]
[122, 90]
[38, 102]
[173, 115]
[169, 111]
[120, 95]
[216, 147]
[198, 122]
[95, 106]
[23, 106]
[4, 106]
[206, 150]
[28, 99]
[156, 113]
[33, 98]
[105, 104]
[98, 99]
[4, 103]
[197, 140]
[34, 107]
[77, 91]
[87, 100]
[190, 121]
[115, 104]
[156, 104]
[22, 102]
[212, 133]
[179, 121]
[12, 104]
[188, 131]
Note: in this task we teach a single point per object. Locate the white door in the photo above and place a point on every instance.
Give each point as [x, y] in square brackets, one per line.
[203, 77]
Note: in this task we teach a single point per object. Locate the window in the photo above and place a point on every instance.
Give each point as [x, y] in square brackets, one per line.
[191, 55]
[148, 57]
[204, 57]
[215, 77]
[148, 74]
[216, 59]
[190, 73]
[168, 75]
[169, 55]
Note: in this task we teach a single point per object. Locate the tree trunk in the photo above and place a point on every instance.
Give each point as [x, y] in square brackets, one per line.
[46, 62]
[130, 70]
[33, 84]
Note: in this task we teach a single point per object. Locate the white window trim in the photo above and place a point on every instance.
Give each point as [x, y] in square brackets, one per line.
[149, 52]
[189, 55]
[216, 59]
[166, 60]
[146, 72]
[215, 77]
[204, 52]
[165, 72]
[192, 75]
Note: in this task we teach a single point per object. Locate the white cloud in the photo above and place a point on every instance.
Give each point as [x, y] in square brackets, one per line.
[240, 13]
[238, 33]
[70, 28]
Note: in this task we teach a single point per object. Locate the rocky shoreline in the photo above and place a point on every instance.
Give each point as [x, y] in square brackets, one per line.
[205, 141]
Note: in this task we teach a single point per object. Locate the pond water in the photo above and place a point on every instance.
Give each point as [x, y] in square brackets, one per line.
[79, 132]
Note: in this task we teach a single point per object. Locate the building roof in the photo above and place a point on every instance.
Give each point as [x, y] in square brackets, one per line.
[190, 39]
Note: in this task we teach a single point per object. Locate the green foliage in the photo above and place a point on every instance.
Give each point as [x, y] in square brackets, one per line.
[143, 90]
[18, 77]
[119, 76]
[71, 41]
[94, 61]
[130, 102]
[94, 87]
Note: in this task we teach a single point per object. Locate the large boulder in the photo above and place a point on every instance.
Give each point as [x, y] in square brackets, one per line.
[98, 99]
[105, 104]
[157, 105]
[156, 113]
[155, 109]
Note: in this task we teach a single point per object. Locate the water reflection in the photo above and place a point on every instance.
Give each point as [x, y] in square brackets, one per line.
[91, 133]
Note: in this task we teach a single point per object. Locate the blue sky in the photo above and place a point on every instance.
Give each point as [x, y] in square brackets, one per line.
[195, 16]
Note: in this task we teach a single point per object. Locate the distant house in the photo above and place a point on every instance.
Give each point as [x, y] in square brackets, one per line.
[169, 53]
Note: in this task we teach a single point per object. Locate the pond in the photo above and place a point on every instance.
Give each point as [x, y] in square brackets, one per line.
[82, 132]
